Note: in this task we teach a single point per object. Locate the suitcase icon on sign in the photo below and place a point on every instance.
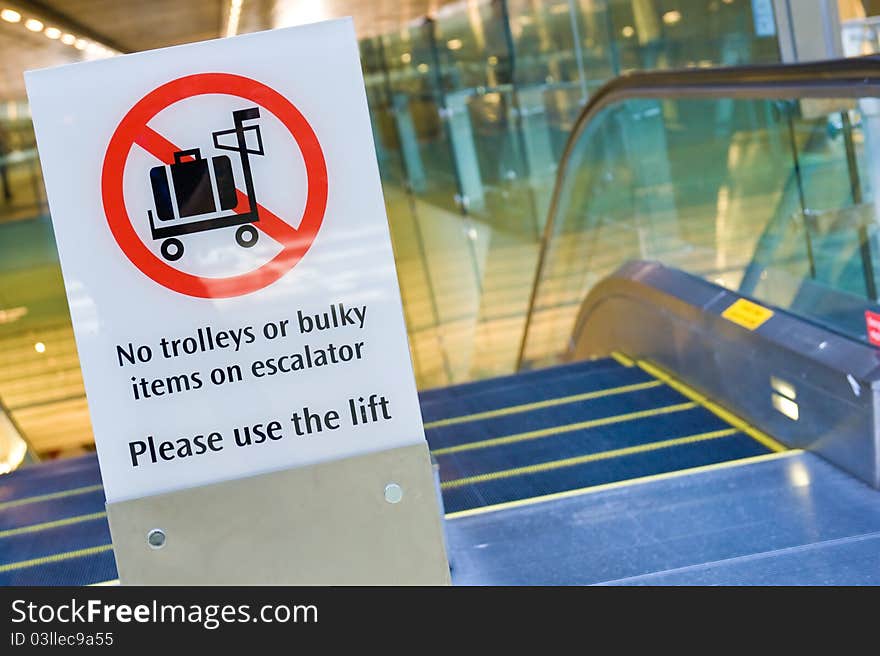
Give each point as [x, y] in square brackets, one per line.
[199, 187]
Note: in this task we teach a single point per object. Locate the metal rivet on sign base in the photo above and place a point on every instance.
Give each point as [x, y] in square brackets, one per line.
[393, 493]
[156, 538]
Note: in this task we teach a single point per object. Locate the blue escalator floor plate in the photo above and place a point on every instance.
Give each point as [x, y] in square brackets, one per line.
[787, 518]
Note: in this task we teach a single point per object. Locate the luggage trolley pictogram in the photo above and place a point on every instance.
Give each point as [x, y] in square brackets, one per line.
[194, 191]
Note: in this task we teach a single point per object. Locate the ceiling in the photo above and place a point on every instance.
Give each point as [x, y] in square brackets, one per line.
[135, 25]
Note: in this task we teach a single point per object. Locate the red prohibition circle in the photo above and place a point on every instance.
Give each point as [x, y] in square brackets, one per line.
[133, 129]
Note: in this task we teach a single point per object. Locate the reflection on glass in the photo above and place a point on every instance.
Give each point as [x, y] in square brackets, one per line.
[768, 198]
[472, 110]
[470, 113]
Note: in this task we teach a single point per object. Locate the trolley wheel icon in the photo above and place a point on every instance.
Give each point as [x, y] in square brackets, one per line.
[172, 249]
[246, 236]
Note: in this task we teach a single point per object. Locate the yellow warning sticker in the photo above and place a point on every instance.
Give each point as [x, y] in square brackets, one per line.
[747, 314]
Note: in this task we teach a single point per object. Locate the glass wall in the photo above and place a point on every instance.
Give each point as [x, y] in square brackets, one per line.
[772, 199]
[472, 110]
[41, 390]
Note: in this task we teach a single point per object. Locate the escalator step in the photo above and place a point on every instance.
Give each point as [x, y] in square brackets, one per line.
[52, 468]
[515, 380]
[535, 391]
[647, 400]
[503, 490]
[14, 488]
[96, 566]
[50, 510]
[571, 444]
[18, 551]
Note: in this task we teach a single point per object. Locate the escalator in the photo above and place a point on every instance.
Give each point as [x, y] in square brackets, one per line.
[497, 442]
[594, 472]
[566, 428]
[665, 425]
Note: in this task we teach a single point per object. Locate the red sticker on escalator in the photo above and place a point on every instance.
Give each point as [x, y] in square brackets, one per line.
[872, 324]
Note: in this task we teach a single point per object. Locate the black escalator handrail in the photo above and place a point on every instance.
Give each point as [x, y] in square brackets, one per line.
[856, 77]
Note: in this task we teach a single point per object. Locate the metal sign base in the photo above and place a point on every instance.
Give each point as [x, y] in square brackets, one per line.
[335, 523]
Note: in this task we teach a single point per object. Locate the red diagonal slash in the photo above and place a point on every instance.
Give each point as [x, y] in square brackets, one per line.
[163, 150]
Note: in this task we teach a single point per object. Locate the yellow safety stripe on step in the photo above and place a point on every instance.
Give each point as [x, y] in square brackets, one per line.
[622, 359]
[35, 528]
[549, 403]
[54, 558]
[519, 503]
[591, 457]
[711, 406]
[555, 430]
[49, 497]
